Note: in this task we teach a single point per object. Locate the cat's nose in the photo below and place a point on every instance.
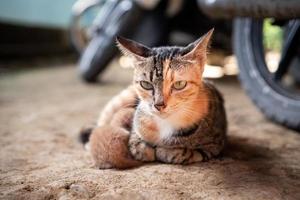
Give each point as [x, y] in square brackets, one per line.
[159, 106]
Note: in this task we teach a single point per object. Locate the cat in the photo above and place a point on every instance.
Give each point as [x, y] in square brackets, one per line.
[169, 114]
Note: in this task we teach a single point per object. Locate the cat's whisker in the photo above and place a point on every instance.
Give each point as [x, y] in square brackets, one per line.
[130, 105]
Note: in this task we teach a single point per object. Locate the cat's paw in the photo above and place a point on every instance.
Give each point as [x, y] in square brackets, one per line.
[103, 165]
[197, 157]
[178, 155]
[140, 150]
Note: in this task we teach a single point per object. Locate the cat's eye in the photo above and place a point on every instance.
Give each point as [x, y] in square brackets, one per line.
[146, 85]
[179, 85]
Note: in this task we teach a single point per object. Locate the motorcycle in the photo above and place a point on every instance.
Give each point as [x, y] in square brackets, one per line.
[274, 88]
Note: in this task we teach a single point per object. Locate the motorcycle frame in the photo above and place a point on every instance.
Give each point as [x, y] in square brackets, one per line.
[289, 9]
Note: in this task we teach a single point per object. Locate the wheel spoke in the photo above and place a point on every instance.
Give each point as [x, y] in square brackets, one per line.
[289, 50]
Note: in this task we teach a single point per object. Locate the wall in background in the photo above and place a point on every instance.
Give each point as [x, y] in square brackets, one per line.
[37, 13]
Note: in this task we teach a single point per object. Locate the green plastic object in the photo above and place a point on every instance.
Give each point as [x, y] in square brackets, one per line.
[37, 13]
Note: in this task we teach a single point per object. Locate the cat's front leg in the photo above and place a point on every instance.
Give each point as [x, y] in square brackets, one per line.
[140, 150]
[178, 155]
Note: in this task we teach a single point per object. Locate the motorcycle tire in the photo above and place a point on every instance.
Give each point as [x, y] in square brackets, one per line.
[273, 102]
[102, 48]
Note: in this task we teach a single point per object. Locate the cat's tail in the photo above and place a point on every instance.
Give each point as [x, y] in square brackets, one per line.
[108, 143]
[84, 134]
[109, 148]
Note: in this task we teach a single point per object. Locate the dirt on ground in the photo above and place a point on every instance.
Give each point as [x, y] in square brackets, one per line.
[43, 109]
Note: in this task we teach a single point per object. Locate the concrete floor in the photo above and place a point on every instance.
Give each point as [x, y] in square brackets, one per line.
[43, 109]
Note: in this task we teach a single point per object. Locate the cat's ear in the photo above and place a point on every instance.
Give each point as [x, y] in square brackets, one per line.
[196, 51]
[133, 49]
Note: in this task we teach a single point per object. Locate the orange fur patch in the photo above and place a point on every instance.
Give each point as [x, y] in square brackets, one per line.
[109, 148]
[168, 77]
[191, 99]
[126, 99]
[148, 130]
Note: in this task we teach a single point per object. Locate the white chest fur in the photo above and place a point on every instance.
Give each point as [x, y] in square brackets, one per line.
[165, 128]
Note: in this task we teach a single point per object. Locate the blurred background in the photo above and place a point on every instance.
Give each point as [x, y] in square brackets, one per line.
[34, 30]
[31, 30]
[82, 33]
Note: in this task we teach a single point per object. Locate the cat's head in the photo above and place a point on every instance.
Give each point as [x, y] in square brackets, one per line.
[167, 78]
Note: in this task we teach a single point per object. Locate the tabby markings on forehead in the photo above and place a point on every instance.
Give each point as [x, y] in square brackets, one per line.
[158, 66]
[144, 62]
[151, 76]
[178, 63]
